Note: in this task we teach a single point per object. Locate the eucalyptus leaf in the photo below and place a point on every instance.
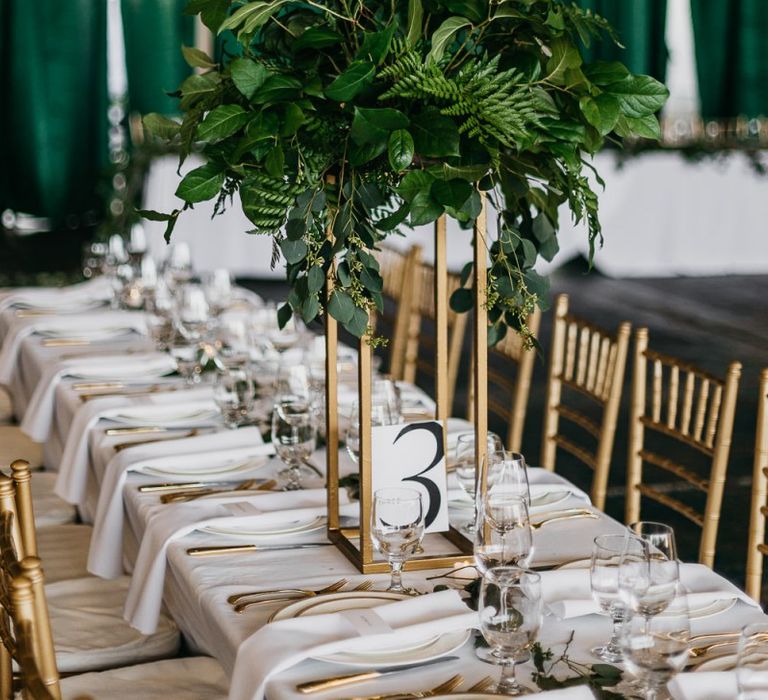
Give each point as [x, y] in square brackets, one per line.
[293, 251]
[341, 306]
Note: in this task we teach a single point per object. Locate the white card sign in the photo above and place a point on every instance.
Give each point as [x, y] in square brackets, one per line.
[412, 455]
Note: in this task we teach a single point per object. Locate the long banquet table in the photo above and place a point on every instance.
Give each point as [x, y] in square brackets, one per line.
[196, 588]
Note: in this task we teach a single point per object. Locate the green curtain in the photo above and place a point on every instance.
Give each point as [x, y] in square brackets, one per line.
[731, 39]
[53, 116]
[640, 25]
[155, 31]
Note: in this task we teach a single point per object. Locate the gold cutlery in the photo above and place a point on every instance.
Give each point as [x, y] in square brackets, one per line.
[444, 688]
[138, 392]
[575, 514]
[244, 548]
[697, 652]
[482, 685]
[64, 342]
[338, 681]
[91, 386]
[137, 430]
[190, 433]
[101, 353]
[173, 486]
[31, 313]
[332, 588]
[714, 635]
[185, 496]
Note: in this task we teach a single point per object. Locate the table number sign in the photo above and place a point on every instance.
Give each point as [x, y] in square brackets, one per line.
[411, 455]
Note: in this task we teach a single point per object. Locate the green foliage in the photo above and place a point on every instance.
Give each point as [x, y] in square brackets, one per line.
[357, 118]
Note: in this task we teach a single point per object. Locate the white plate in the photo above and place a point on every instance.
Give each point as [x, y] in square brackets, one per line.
[726, 662]
[397, 654]
[293, 527]
[577, 564]
[548, 498]
[85, 334]
[227, 468]
[165, 419]
[710, 609]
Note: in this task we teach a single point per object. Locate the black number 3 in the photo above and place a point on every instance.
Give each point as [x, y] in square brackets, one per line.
[433, 490]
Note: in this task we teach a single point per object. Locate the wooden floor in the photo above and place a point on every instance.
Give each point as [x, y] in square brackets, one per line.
[708, 321]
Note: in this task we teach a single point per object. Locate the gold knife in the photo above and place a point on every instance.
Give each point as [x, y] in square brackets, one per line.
[64, 342]
[143, 391]
[244, 548]
[120, 446]
[138, 430]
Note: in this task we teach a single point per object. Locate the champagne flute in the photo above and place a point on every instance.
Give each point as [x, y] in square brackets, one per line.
[465, 469]
[233, 392]
[293, 435]
[604, 581]
[510, 610]
[397, 528]
[752, 664]
[655, 649]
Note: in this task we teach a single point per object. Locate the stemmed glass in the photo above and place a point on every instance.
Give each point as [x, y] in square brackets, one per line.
[655, 649]
[510, 609]
[465, 469]
[604, 580]
[504, 473]
[752, 664]
[234, 394]
[293, 435]
[659, 536]
[503, 533]
[193, 313]
[188, 358]
[397, 528]
[217, 286]
[383, 412]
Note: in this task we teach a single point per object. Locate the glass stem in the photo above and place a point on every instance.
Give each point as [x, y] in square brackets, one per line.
[614, 643]
[508, 684]
[396, 582]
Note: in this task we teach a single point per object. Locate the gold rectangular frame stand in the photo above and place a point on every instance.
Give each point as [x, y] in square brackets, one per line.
[361, 554]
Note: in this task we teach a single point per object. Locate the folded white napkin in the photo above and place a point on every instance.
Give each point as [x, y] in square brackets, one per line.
[72, 479]
[105, 557]
[39, 414]
[568, 593]
[74, 323]
[171, 521]
[707, 685]
[281, 645]
[61, 299]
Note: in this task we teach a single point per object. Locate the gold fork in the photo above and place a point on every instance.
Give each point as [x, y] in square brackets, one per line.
[445, 687]
[192, 495]
[482, 685]
[566, 515]
[270, 599]
[332, 588]
[704, 649]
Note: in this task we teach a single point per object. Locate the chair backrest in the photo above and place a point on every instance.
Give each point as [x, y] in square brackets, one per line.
[695, 409]
[424, 308]
[589, 362]
[757, 547]
[516, 384]
[398, 271]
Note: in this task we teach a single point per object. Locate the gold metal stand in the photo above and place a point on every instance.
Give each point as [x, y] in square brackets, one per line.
[356, 543]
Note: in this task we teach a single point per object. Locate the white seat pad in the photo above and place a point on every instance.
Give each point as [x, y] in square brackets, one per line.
[64, 551]
[49, 508]
[90, 634]
[196, 678]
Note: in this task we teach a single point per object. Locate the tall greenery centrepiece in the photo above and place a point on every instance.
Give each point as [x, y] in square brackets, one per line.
[362, 116]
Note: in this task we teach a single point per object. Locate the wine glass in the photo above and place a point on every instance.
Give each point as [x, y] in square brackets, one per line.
[381, 414]
[647, 581]
[752, 664]
[234, 393]
[177, 267]
[655, 649]
[659, 536]
[188, 358]
[503, 533]
[465, 469]
[504, 472]
[510, 610]
[292, 382]
[193, 312]
[293, 435]
[604, 580]
[397, 528]
[217, 286]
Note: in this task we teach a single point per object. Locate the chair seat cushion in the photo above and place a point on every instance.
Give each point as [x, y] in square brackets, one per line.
[64, 551]
[196, 678]
[49, 508]
[90, 634]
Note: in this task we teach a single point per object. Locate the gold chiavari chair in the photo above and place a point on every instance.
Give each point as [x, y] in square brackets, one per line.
[398, 272]
[513, 411]
[425, 309]
[87, 603]
[589, 363]
[757, 547]
[693, 408]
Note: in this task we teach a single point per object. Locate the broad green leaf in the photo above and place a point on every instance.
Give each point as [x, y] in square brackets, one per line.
[602, 112]
[358, 75]
[293, 251]
[496, 333]
[394, 220]
[212, 12]
[201, 184]
[284, 314]
[647, 126]
[359, 155]
[413, 183]
[461, 300]
[342, 274]
[605, 72]
[160, 126]
[639, 95]
[452, 193]
[251, 15]
[543, 229]
[371, 280]
[310, 307]
[549, 248]
[196, 58]
[248, 76]
[275, 161]
[415, 17]
[536, 284]
[277, 88]
[444, 35]
[196, 87]
[424, 209]
[470, 173]
[341, 306]
[315, 279]
[317, 38]
[473, 9]
[564, 56]
[376, 45]
[400, 149]
[358, 324]
[293, 118]
[221, 122]
[434, 135]
[374, 125]
[295, 229]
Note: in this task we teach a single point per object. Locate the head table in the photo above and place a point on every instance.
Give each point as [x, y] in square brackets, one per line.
[128, 524]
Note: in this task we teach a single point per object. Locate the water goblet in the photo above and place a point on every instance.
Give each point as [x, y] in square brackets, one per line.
[655, 649]
[503, 534]
[510, 610]
[604, 581]
[659, 536]
[752, 663]
[380, 415]
[465, 469]
[234, 394]
[217, 286]
[193, 313]
[293, 435]
[397, 528]
[188, 358]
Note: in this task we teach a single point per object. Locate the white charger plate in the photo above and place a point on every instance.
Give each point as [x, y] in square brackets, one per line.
[294, 527]
[232, 467]
[85, 333]
[395, 654]
[162, 418]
